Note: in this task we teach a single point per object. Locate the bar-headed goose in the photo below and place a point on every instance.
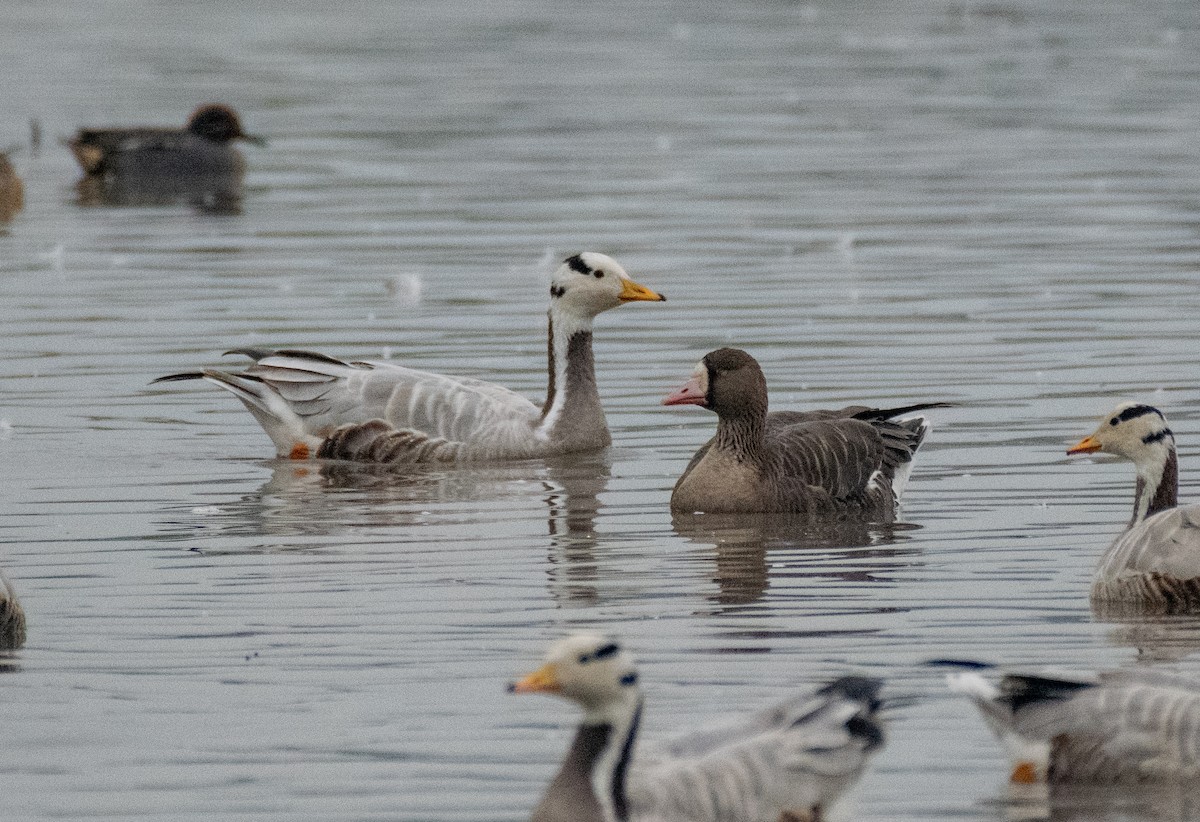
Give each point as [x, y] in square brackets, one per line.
[789, 762]
[314, 405]
[851, 462]
[1120, 726]
[12, 617]
[1155, 563]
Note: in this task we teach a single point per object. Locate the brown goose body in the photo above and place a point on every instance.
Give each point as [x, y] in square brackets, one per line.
[1154, 565]
[851, 462]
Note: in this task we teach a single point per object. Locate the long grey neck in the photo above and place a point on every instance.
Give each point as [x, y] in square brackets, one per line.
[1157, 490]
[590, 785]
[743, 436]
[572, 412]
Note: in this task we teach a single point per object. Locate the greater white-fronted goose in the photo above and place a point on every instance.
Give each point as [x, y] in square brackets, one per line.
[1155, 564]
[852, 462]
[12, 617]
[314, 405]
[791, 761]
[1115, 727]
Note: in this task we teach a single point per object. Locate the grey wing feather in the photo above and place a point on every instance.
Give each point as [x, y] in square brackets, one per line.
[327, 393]
[797, 755]
[1120, 726]
[839, 455]
[1166, 543]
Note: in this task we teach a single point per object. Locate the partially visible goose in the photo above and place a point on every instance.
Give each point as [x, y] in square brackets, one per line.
[12, 190]
[1155, 563]
[790, 762]
[1120, 726]
[12, 617]
[851, 462]
[314, 405]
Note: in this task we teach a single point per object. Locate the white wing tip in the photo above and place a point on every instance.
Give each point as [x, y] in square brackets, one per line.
[971, 684]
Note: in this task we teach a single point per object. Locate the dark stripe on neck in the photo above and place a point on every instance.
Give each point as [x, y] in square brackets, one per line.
[1166, 496]
[620, 800]
[1133, 412]
[1157, 436]
[551, 386]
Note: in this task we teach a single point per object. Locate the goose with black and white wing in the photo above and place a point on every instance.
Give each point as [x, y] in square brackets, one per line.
[1114, 727]
[1154, 565]
[791, 761]
[312, 405]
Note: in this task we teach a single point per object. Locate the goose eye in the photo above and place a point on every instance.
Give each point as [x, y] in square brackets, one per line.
[584, 659]
[598, 274]
[1113, 421]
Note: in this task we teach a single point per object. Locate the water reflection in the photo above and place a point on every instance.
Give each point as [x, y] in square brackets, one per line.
[1155, 638]
[742, 543]
[573, 486]
[1163, 802]
[210, 194]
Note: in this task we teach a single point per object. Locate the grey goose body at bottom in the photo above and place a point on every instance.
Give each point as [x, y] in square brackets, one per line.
[1117, 727]
[852, 462]
[792, 761]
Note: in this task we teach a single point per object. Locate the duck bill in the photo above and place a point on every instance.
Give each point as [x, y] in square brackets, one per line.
[254, 139]
[542, 681]
[692, 393]
[1087, 445]
[633, 292]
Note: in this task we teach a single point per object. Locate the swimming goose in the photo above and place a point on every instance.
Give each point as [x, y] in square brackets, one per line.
[854, 461]
[12, 617]
[1155, 563]
[203, 147]
[314, 405]
[1119, 726]
[790, 762]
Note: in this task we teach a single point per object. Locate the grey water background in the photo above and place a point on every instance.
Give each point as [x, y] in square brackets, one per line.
[990, 203]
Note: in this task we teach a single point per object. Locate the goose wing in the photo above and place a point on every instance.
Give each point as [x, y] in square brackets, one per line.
[798, 755]
[327, 393]
[1115, 727]
[839, 456]
[1166, 544]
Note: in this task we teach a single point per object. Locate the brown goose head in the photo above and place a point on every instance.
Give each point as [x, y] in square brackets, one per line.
[727, 381]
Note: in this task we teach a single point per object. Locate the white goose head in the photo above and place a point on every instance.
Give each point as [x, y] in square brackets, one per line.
[1140, 434]
[589, 283]
[591, 670]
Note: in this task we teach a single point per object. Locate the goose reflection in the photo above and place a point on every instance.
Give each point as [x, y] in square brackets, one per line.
[210, 194]
[1156, 638]
[849, 550]
[573, 487]
[1162, 802]
[325, 498]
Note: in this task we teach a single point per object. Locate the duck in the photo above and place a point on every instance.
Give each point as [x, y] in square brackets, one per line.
[853, 462]
[312, 405]
[1154, 565]
[791, 761]
[1114, 727]
[201, 148]
[12, 617]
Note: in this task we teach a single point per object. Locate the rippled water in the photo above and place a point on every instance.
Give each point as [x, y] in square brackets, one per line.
[995, 204]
